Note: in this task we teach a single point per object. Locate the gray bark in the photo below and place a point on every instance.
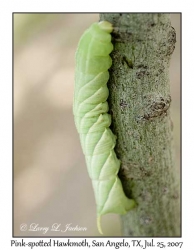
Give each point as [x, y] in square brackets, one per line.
[139, 103]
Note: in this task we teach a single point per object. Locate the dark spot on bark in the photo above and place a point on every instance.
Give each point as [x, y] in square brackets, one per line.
[171, 41]
[123, 104]
[160, 71]
[141, 73]
[144, 172]
[156, 107]
[121, 35]
[165, 190]
[175, 196]
[116, 36]
[139, 118]
[128, 62]
[143, 66]
[173, 34]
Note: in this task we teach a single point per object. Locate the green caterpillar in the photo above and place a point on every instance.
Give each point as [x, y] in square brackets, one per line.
[92, 120]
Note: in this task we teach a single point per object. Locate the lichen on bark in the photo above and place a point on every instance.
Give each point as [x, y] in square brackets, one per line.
[139, 103]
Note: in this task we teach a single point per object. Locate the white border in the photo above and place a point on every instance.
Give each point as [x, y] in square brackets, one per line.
[7, 7]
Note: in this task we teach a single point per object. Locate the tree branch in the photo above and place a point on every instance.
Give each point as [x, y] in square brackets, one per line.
[139, 103]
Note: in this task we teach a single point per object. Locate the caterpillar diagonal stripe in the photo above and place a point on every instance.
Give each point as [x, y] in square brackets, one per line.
[92, 120]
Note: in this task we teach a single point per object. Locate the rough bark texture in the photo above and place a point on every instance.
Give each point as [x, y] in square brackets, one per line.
[139, 104]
